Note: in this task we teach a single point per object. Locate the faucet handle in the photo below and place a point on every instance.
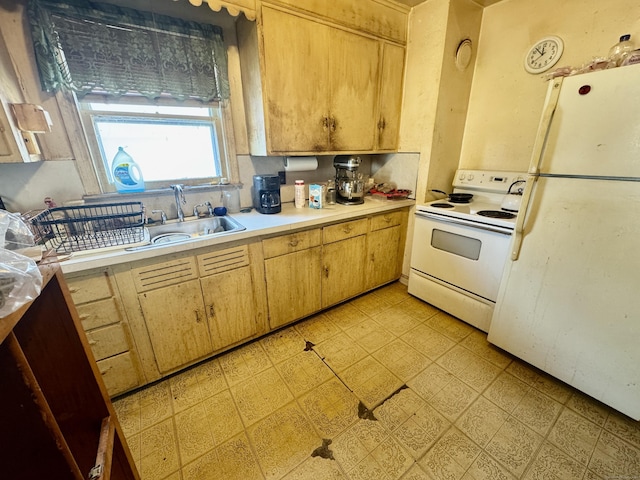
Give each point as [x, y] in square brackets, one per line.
[195, 209]
[163, 216]
[210, 208]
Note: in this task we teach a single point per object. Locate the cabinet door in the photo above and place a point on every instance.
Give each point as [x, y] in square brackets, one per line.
[230, 306]
[391, 81]
[343, 270]
[296, 82]
[176, 323]
[354, 88]
[383, 257]
[293, 285]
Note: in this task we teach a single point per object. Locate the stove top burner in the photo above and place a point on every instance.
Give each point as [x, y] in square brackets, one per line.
[496, 214]
[442, 205]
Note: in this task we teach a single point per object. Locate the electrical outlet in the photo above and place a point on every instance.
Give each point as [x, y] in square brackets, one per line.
[283, 177]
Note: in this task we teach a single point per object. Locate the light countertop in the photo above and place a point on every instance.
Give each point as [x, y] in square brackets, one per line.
[256, 224]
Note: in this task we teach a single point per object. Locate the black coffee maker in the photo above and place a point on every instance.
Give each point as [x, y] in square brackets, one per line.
[266, 193]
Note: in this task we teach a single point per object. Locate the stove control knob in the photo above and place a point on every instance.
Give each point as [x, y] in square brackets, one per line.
[461, 176]
[471, 176]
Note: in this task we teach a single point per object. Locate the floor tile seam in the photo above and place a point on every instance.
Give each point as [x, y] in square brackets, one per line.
[440, 437]
[485, 358]
[633, 445]
[534, 455]
[569, 454]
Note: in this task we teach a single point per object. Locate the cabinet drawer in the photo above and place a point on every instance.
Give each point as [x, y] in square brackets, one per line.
[89, 288]
[223, 260]
[99, 314]
[342, 231]
[108, 341]
[119, 373]
[164, 274]
[384, 220]
[273, 247]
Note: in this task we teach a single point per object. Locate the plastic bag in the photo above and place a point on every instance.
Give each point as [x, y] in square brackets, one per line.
[20, 278]
[14, 233]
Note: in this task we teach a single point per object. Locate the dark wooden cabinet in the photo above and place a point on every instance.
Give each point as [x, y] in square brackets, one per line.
[57, 419]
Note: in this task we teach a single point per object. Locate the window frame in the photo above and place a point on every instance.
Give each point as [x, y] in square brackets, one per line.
[220, 118]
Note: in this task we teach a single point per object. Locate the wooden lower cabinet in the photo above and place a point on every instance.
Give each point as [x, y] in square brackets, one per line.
[384, 257]
[183, 308]
[103, 318]
[385, 248]
[293, 285]
[230, 306]
[177, 324]
[343, 256]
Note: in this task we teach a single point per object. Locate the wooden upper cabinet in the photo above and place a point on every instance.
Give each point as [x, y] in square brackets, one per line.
[381, 18]
[311, 87]
[391, 81]
[296, 81]
[353, 67]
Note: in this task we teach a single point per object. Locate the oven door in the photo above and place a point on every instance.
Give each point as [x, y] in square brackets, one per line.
[463, 254]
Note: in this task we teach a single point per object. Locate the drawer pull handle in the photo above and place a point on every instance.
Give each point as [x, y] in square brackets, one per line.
[212, 311]
[93, 342]
[104, 371]
[84, 316]
[347, 229]
[294, 242]
[387, 218]
[198, 319]
[73, 289]
[326, 272]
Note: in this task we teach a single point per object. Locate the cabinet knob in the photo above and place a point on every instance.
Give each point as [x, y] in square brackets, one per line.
[387, 218]
[347, 229]
[325, 123]
[333, 124]
[326, 272]
[294, 242]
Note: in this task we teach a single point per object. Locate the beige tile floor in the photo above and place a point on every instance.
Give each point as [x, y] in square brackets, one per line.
[391, 389]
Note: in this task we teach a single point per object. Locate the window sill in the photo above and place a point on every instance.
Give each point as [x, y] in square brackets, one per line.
[157, 192]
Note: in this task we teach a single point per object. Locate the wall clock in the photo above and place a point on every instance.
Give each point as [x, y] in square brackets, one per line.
[544, 54]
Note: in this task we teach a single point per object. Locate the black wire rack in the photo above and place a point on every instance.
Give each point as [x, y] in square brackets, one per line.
[86, 227]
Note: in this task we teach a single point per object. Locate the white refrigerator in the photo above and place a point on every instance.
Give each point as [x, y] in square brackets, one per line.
[569, 301]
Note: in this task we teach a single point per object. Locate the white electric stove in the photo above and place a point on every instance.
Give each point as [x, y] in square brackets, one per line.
[459, 248]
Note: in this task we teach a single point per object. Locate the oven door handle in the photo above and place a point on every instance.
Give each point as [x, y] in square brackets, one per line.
[465, 223]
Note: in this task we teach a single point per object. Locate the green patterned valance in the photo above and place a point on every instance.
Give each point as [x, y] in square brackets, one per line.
[83, 46]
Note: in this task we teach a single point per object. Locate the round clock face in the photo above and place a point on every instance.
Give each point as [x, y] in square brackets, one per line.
[543, 55]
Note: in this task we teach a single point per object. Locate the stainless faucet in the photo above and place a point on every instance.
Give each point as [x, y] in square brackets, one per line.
[180, 200]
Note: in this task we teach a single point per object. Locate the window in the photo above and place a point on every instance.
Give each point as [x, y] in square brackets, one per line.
[180, 143]
[155, 85]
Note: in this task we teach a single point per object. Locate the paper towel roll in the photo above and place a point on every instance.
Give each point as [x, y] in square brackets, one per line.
[300, 164]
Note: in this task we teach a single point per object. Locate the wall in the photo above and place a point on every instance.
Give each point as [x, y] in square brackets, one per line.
[506, 102]
[436, 92]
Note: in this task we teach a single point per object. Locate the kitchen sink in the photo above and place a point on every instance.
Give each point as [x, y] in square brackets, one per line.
[176, 232]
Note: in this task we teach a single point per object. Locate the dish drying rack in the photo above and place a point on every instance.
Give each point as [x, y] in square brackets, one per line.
[86, 227]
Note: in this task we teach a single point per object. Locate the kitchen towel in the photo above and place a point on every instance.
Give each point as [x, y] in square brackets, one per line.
[300, 164]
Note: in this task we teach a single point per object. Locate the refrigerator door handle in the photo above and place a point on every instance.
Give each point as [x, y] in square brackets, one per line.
[534, 166]
[518, 232]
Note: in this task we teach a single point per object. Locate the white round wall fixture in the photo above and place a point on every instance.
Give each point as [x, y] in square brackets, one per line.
[463, 54]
